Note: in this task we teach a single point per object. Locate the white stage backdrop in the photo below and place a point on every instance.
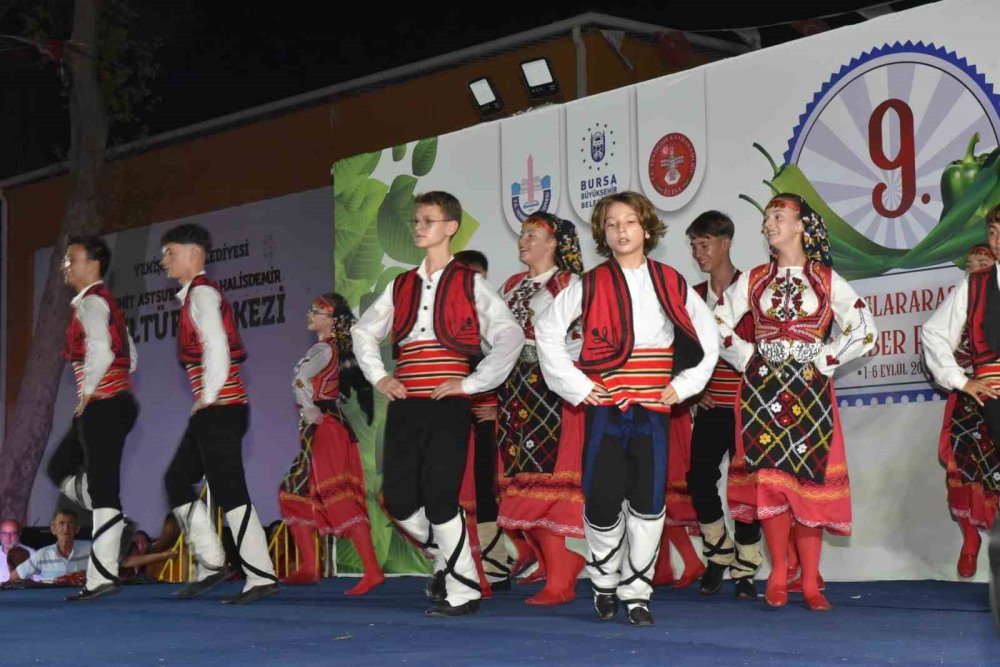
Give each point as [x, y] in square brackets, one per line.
[270, 257]
[861, 121]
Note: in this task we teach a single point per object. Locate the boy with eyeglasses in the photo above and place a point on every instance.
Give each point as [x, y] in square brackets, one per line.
[439, 315]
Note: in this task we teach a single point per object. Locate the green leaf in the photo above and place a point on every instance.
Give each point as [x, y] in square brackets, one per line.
[398, 152]
[386, 277]
[394, 216]
[375, 191]
[464, 234]
[348, 227]
[365, 262]
[350, 289]
[424, 155]
[351, 169]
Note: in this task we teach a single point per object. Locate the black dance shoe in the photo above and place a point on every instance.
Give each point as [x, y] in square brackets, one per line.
[196, 588]
[254, 594]
[436, 589]
[711, 581]
[101, 591]
[639, 616]
[606, 606]
[444, 608]
[746, 589]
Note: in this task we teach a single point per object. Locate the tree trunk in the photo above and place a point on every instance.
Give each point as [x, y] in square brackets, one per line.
[28, 430]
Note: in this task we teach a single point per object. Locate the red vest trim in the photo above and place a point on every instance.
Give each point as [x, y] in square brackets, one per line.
[513, 282]
[326, 383]
[456, 320]
[608, 334]
[744, 328]
[815, 326]
[75, 348]
[980, 284]
[189, 346]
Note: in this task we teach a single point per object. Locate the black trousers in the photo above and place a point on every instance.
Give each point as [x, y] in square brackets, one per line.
[624, 458]
[426, 448]
[212, 447]
[93, 445]
[714, 436]
[485, 467]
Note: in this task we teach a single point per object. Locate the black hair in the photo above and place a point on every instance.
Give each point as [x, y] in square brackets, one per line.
[188, 233]
[96, 248]
[473, 259]
[711, 223]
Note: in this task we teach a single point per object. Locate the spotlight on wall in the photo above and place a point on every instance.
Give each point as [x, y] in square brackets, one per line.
[539, 79]
[486, 96]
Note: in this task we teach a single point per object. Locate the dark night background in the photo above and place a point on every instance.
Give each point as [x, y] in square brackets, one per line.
[219, 57]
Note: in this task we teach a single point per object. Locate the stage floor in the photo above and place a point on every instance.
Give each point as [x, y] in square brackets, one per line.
[875, 623]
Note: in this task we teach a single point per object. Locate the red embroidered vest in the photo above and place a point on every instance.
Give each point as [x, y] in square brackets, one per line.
[456, 321]
[75, 347]
[809, 328]
[189, 346]
[557, 283]
[983, 317]
[326, 383]
[724, 383]
[608, 333]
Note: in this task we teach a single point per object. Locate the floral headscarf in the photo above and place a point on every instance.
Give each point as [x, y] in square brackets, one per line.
[568, 255]
[815, 240]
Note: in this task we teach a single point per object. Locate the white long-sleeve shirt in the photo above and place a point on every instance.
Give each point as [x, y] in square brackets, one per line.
[942, 333]
[653, 329]
[857, 325]
[206, 313]
[95, 316]
[317, 358]
[497, 328]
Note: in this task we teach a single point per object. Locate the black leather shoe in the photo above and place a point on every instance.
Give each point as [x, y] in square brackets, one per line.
[443, 608]
[196, 588]
[639, 616]
[711, 581]
[746, 589]
[436, 589]
[606, 606]
[101, 591]
[254, 594]
[500, 584]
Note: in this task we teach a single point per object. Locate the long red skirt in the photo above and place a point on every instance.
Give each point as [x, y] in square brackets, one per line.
[680, 509]
[325, 487]
[768, 492]
[553, 501]
[967, 459]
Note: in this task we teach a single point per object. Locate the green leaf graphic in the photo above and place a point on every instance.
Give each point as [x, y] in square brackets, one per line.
[464, 234]
[398, 152]
[424, 155]
[349, 170]
[394, 218]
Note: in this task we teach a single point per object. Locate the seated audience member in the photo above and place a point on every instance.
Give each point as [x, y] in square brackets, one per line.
[66, 556]
[10, 539]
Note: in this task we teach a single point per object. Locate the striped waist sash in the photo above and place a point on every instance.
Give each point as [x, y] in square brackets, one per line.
[989, 370]
[233, 392]
[640, 381]
[425, 364]
[724, 384]
[114, 382]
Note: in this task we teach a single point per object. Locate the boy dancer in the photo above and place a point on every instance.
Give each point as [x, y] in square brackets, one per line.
[649, 342]
[438, 314]
[711, 235]
[210, 348]
[87, 464]
[974, 305]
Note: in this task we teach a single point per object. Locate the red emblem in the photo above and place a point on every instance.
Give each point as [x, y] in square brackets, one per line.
[672, 164]
[832, 361]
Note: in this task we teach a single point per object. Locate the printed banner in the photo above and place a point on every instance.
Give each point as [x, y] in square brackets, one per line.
[598, 148]
[531, 163]
[673, 138]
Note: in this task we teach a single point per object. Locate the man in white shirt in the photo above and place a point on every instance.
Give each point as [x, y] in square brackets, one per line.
[64, 557]
[10, 537]
[86, 466]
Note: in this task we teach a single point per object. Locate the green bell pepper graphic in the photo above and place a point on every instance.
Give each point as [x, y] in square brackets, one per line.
[958, 176]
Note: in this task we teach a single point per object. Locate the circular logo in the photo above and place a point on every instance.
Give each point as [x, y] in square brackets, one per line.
[876, 139]
[672, 164]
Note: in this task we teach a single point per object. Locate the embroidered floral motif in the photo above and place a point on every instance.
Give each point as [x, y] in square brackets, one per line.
[764, 439]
